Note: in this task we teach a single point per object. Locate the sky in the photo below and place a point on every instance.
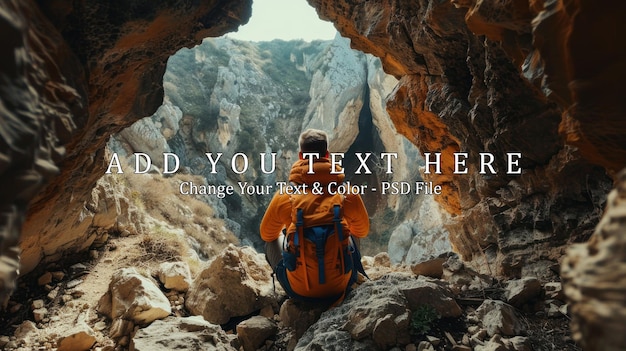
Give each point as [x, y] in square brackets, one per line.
[284, 19]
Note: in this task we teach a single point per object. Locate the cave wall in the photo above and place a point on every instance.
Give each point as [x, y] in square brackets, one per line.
[74, 73]
[479, 76]
[540, 77]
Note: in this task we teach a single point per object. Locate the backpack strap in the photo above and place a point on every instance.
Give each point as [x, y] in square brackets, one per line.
[296, 241]
[337, 221]
[340, 237]
[356, 259]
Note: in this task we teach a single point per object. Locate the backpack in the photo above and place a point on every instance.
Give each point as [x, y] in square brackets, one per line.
[320, 253]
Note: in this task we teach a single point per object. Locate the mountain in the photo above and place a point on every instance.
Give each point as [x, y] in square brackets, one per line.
[228, 96]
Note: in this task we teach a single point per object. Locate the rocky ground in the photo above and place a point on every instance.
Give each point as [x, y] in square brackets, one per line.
[121, 297]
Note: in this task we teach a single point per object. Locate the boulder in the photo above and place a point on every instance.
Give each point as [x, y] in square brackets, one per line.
[253, 332]
[520, 291]
[236, 283]
[79, 338]
[188, 333]
[432, 267]
[299, 316]
[432, 292]
[498, 317]
[134, 297]
[175, 275]
[377, 314]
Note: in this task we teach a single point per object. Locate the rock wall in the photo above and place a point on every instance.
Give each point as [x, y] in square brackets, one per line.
[540, 77]
[75, 73]
[594, 276]
[479, 77]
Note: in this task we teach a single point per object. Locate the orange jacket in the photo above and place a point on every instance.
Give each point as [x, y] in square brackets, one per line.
[279, 215]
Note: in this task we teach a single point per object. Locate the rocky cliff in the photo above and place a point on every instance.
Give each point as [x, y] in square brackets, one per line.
[539, 77]
[74, 73]
[470, 81]
[228, 96]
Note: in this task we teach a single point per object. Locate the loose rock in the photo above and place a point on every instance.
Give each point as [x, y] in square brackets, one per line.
[253, 332]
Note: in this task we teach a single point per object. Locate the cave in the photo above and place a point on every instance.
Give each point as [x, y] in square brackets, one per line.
[540, 78]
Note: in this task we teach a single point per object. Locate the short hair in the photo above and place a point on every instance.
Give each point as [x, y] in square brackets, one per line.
[314, 140]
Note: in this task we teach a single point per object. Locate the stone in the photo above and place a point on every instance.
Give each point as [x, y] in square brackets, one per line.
[53, 294]
[520, 343]
[554, 290]
[78, 268]
[299, 316]
[236, 283]
[37, 304]
[478, 337]
[434, 293]
[377, 312]
[100, 326]
[254, 331]
[175, 275]
[183, 333]
[425, 346]
[58, 275]
[553, 311]
[435, 341]
[458, 275]
[498, 317]
[134, 297]
[4, 340]
[39, 314]
[520, 291]
[564, 309]
[382, 259]
[74, 283]
[491, 346]
[432, 268]
[80, 338]
[385, 332]
[44, 279]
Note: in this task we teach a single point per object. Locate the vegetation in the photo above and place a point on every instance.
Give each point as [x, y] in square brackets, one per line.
[423, 319]
[286, 56]
[178, 220]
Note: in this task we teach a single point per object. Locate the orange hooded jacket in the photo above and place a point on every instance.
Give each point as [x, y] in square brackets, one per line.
[280, 213]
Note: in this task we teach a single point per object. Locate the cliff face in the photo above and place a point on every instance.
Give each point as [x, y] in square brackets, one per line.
[76, 73]
[539, 77]
[473, 78]
[227, 96]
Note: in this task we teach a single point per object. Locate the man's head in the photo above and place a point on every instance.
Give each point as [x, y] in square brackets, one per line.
[314, 140]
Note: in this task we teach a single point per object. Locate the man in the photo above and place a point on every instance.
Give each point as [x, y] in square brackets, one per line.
[307, 218]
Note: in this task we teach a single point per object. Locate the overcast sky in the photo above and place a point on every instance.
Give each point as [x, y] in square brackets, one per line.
[284, 19]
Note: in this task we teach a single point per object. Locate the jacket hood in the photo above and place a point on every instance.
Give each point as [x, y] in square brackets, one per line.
[321, 172]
